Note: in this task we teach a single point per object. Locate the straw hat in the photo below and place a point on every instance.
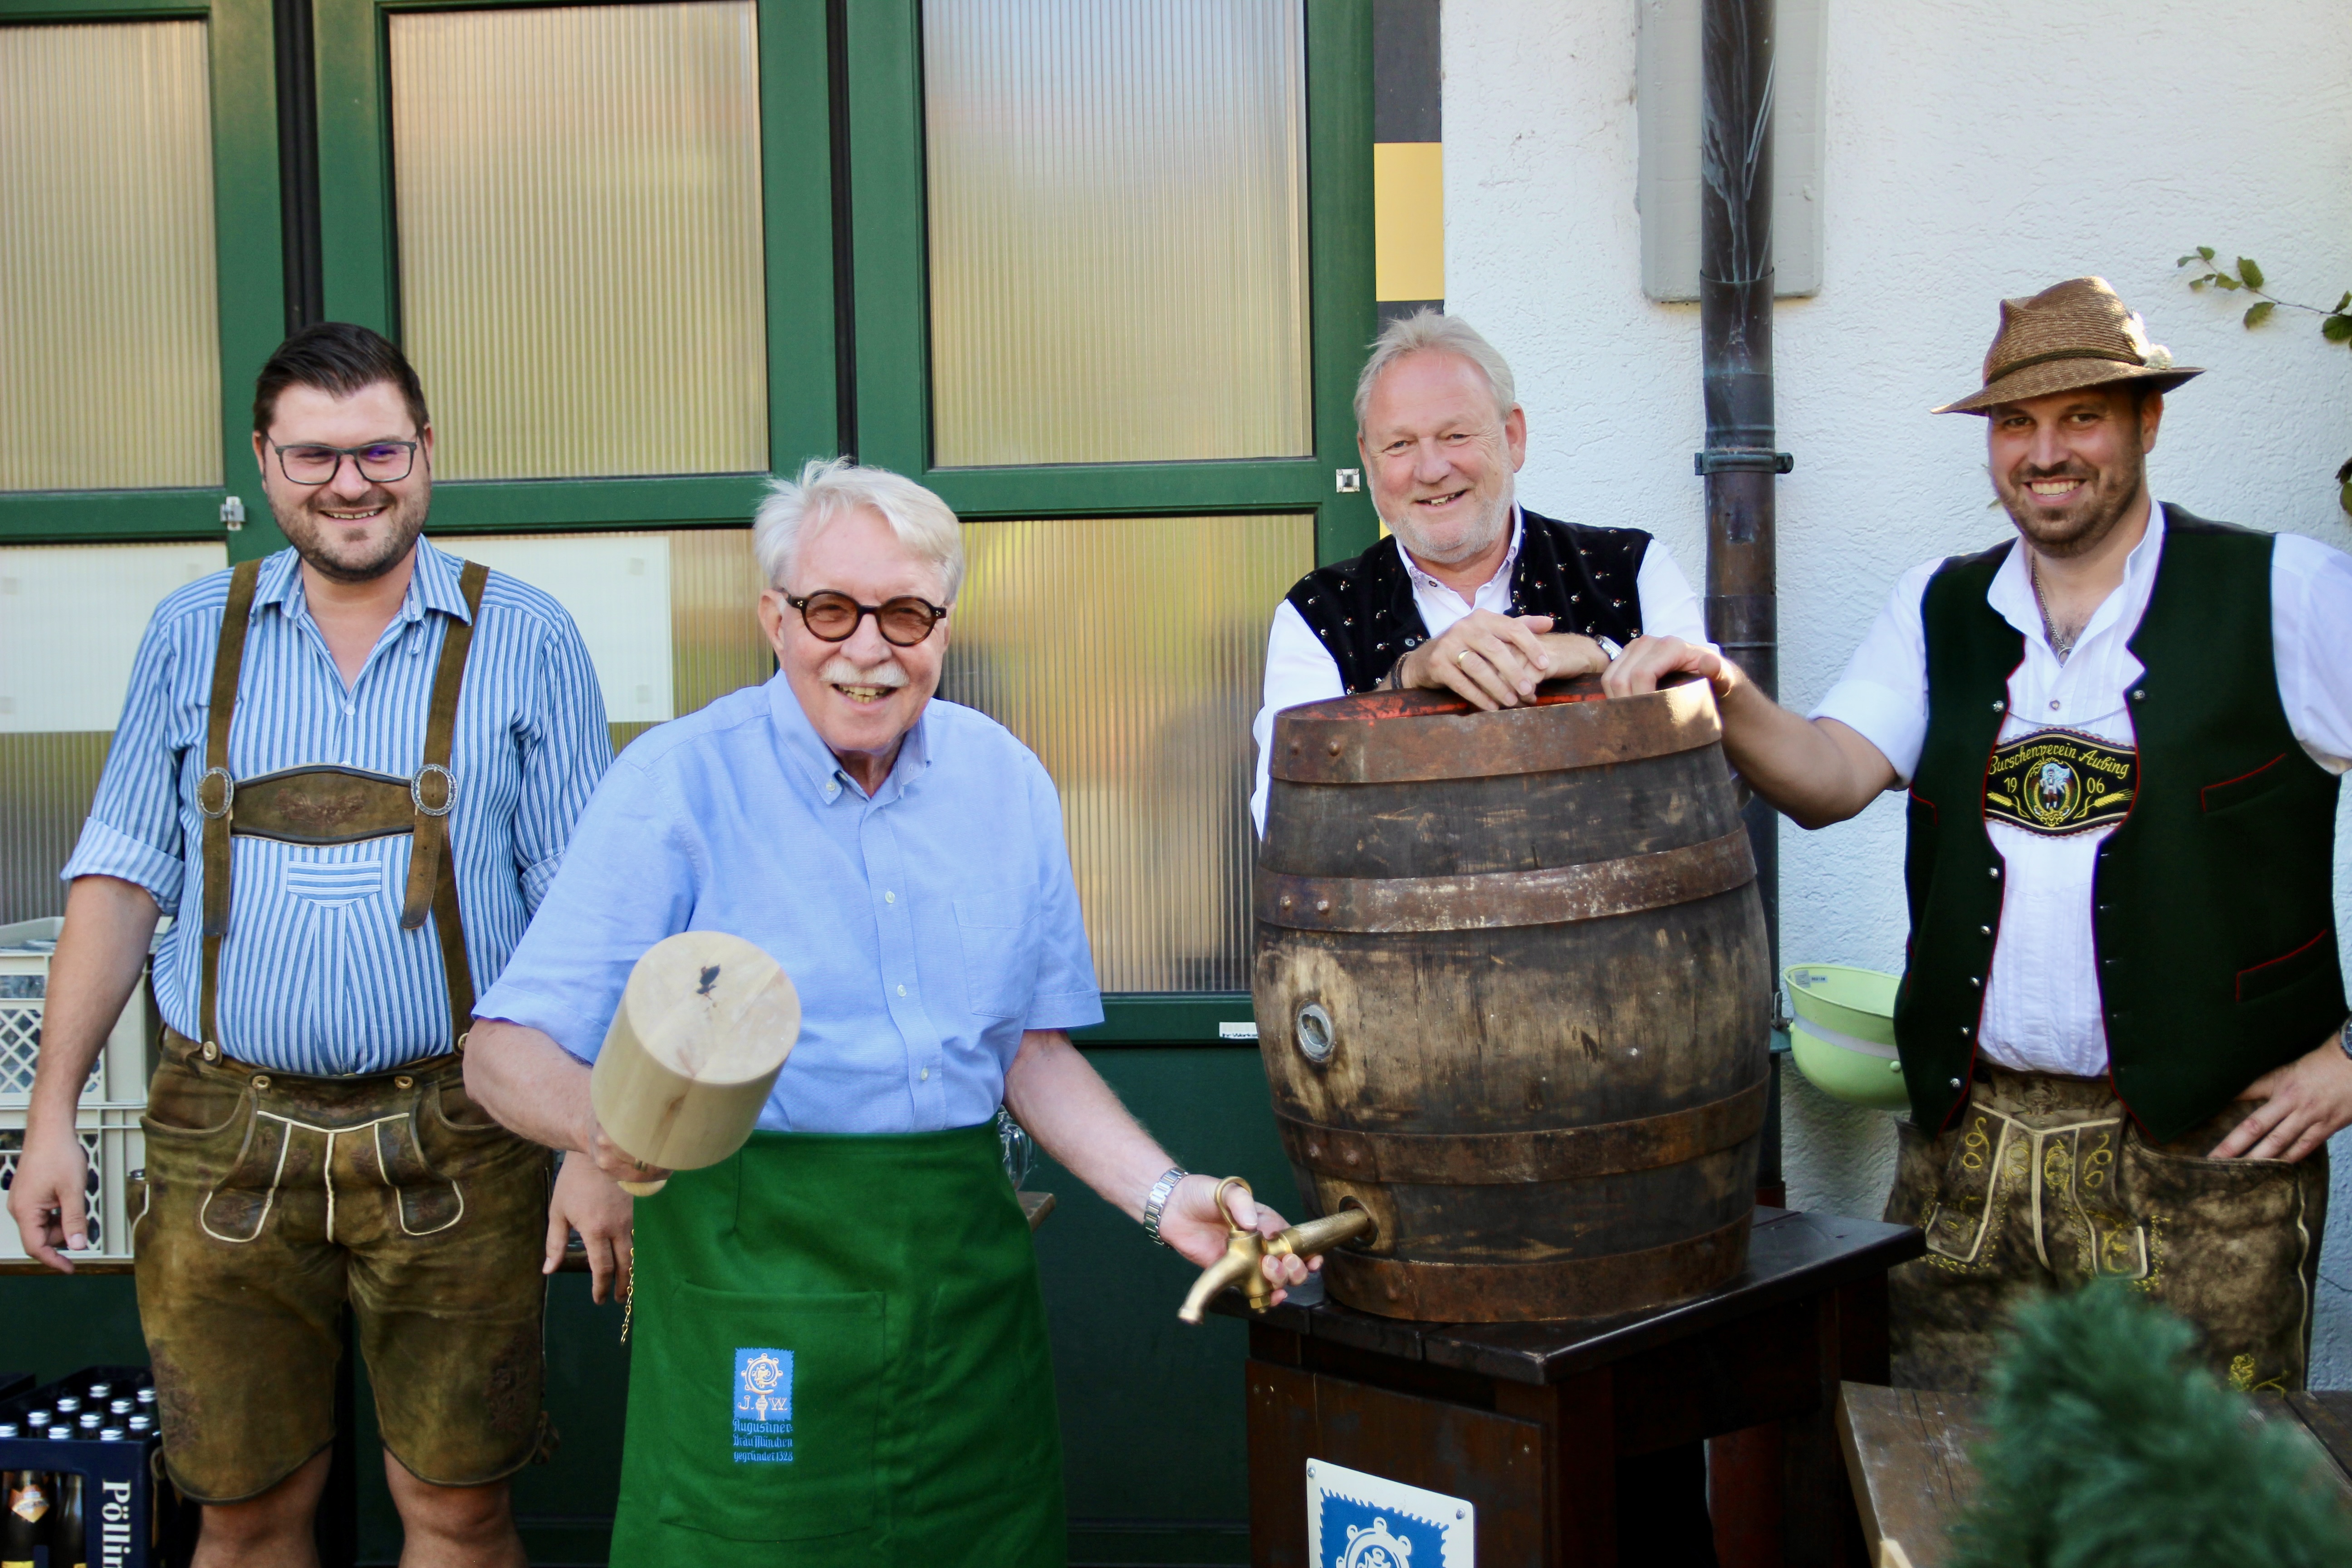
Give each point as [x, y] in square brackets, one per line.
[2071, 335]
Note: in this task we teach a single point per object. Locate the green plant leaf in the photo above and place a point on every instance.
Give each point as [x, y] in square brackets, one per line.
[2206, 251]
[2186, 259]
[2346, 302]
[2337, 329]
[2343, 497]
[2196, 283]
[2226, 281]
[2250, 272]
[2259, 312]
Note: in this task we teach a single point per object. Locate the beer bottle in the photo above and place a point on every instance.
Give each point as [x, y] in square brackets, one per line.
[70, 1530]
[25, 1526]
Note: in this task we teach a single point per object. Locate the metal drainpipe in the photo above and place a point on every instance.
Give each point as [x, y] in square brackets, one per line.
[1735, 310]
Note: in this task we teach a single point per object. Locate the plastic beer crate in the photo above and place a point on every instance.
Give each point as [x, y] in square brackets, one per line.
[131, 1516]
[111, 1102]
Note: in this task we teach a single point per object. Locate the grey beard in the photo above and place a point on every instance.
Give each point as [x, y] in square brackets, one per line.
[1492, 526]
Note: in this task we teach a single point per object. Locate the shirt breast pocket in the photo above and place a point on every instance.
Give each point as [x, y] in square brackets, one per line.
[1000, 955]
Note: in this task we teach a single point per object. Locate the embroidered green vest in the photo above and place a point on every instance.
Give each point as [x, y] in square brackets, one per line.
[2212, 912]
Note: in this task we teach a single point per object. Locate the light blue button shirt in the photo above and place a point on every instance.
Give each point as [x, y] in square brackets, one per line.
[924, 928]
[316, 975]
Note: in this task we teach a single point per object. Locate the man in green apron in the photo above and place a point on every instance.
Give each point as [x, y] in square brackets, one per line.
[841, 1350]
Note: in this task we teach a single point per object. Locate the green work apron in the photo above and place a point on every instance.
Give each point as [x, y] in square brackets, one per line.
[839, 1358]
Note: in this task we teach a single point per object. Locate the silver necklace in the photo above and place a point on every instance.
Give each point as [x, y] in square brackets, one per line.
[2059, 646]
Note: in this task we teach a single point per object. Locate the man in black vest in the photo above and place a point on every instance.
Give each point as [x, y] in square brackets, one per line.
[1472, 592]
[2122, 1021]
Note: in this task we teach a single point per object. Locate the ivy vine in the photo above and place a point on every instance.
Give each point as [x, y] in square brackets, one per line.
[2246, 277]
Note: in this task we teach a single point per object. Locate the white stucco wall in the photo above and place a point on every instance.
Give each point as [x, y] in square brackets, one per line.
[1975, 149]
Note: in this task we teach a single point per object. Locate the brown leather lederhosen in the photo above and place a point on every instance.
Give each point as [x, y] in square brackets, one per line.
[337, 805]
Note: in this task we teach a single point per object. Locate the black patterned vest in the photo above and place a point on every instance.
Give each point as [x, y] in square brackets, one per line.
[1363, 612]
[2212, 911]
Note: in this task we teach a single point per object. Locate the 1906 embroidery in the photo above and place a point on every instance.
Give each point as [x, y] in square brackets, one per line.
[2056, 783]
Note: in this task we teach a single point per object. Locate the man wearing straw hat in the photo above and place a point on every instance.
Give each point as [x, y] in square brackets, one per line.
[862, 1264]
[2121, 1022]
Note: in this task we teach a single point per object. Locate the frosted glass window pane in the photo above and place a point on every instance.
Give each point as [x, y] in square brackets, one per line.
[1130, 654]
[581, 257]
[1117, 195]
[671, 618]
[110, 333]
[617, 587]
[70, 621]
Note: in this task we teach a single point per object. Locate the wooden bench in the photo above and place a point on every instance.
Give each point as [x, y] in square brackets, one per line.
[1907, 1452]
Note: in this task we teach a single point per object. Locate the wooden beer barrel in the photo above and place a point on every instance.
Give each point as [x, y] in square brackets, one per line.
[1513, 992]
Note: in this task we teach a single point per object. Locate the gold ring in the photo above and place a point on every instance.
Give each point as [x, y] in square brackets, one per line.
[1460, 656]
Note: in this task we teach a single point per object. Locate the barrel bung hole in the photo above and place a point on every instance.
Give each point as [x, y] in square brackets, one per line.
[1314, 1032]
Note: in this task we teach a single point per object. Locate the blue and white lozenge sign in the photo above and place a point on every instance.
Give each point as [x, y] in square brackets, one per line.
[1360, 1520]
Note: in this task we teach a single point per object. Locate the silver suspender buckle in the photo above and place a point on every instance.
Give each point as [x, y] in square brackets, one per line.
[448, 790]
[228, 792]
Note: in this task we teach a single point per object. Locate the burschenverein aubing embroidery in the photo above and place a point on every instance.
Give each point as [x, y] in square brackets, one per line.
[2060, 781]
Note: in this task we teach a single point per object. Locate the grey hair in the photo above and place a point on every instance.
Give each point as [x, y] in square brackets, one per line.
[1424, 331]
[828, 489]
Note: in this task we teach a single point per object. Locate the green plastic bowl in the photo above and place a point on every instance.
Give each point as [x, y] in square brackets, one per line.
[1844, 1033]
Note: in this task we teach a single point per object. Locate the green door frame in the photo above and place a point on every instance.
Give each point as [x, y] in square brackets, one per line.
[359, 262]
[887, 207]
[881, 45]
[250, 269]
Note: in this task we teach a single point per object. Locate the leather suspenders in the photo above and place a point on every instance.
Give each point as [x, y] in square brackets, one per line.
[338, 806]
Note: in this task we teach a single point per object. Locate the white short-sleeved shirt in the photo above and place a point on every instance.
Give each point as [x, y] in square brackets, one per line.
[2042, 1007]
[1299, 668]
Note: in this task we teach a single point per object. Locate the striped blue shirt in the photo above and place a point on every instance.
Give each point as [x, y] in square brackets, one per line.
[316, 975]
[925, 927]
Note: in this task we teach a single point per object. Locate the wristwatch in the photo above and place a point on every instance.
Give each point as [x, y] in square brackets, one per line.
[1162, 1191]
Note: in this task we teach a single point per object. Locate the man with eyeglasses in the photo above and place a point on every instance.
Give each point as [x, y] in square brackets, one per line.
[839, 1342]
[348, 771]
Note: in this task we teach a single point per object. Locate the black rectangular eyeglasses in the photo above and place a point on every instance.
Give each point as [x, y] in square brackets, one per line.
[379, 462]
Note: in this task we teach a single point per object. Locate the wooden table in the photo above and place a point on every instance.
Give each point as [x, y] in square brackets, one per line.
[1907, 1452]
[1529, 1421]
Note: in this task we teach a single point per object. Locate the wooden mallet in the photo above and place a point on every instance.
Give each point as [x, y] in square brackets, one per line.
[703, 1028]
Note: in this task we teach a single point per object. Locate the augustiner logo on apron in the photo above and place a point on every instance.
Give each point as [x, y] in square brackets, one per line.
[2060, 781]
[763, 1407]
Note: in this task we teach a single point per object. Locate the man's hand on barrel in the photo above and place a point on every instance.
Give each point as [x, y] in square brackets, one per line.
[1194, 1227]
[588, 1201]
[1646, 661]
[1498, 661]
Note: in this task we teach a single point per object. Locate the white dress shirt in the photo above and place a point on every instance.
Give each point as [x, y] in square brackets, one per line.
[2042, 1007]
[1298, 669]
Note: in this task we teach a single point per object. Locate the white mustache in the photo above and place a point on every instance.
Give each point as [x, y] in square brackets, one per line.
[841, 671]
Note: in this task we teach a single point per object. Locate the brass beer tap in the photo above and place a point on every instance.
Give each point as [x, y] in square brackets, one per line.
[1246, 1252]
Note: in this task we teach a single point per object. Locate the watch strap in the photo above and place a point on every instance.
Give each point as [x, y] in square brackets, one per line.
[1162, 1191]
